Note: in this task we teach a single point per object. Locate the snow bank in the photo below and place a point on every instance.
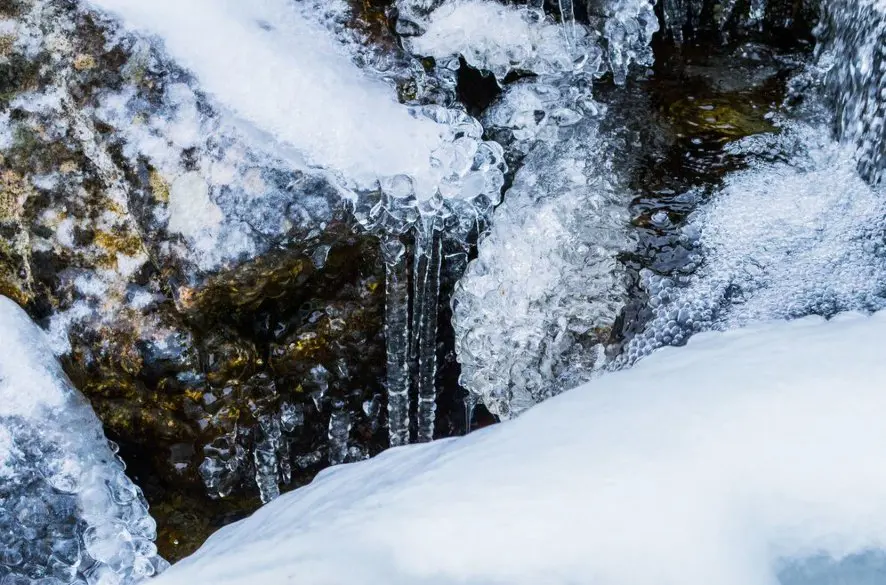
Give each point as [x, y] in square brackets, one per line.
[287, 78]
[739, 458]
[67, 510]
[280, 72]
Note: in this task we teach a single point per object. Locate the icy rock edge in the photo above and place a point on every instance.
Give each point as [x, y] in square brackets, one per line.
[70, 515]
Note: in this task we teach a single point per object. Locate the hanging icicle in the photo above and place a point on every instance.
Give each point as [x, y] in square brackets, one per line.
[424, 334]
[567, 16]
[396, 338]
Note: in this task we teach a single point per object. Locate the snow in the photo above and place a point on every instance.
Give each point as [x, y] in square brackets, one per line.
[287, 77]
[191, 211]
[68, 510]
[739, 458]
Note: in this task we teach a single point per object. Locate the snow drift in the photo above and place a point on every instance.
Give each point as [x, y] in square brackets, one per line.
[749, 457]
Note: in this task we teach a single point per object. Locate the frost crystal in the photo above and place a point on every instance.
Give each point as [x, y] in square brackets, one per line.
[779, 241]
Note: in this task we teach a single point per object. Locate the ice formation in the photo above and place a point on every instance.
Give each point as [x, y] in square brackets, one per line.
[852, 36]
[69, 514]
[746, 457]
[779, 241]
[504, 38]
[312, 107]
[310, 97]
[547, 285]
[724, 16]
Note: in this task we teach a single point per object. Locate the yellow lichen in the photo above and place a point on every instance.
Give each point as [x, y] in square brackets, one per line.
[68, 167]
[14, 191]
[84, 62]
[7, 42]
[126, 244]
[159, 186]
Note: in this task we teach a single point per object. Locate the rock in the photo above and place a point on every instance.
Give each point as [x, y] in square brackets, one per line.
[190, 281]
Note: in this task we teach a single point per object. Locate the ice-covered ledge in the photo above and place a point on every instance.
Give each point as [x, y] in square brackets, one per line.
[729, 461]
[68, 510]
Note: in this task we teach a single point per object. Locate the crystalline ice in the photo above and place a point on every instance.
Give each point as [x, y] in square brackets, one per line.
[779, 241]
[67, 510]
[547, 283]
[499, 38]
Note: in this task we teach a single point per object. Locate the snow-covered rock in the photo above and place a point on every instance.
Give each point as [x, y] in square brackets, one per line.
[750, 457]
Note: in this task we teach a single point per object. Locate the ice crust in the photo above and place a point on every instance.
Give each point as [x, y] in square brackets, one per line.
[528, 310]
[779, 241]
[503, 38]
[746, 457]
[68, 513]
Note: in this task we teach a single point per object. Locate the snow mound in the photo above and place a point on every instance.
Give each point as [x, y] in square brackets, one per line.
[287, 79]
[67, 510]
[751, 457]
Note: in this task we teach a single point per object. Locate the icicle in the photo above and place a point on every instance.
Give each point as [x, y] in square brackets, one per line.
[757, 13]
[567, 16]
[676, 17]
[396, 338]
[537, 9]
[470, 405]
[424, 334]
[265, 457]
[339, 434]
[726, 11]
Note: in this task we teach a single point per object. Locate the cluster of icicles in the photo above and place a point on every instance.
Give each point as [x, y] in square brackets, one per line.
[566, 57]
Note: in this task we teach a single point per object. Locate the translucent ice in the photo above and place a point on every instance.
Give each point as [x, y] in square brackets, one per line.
[852, 35]
[503, 38]
[68, 513]
[546, 285]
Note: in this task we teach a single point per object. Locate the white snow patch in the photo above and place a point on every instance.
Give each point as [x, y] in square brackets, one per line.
[191, 212]
[26, 363]
[714, 463]
[288, 77]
